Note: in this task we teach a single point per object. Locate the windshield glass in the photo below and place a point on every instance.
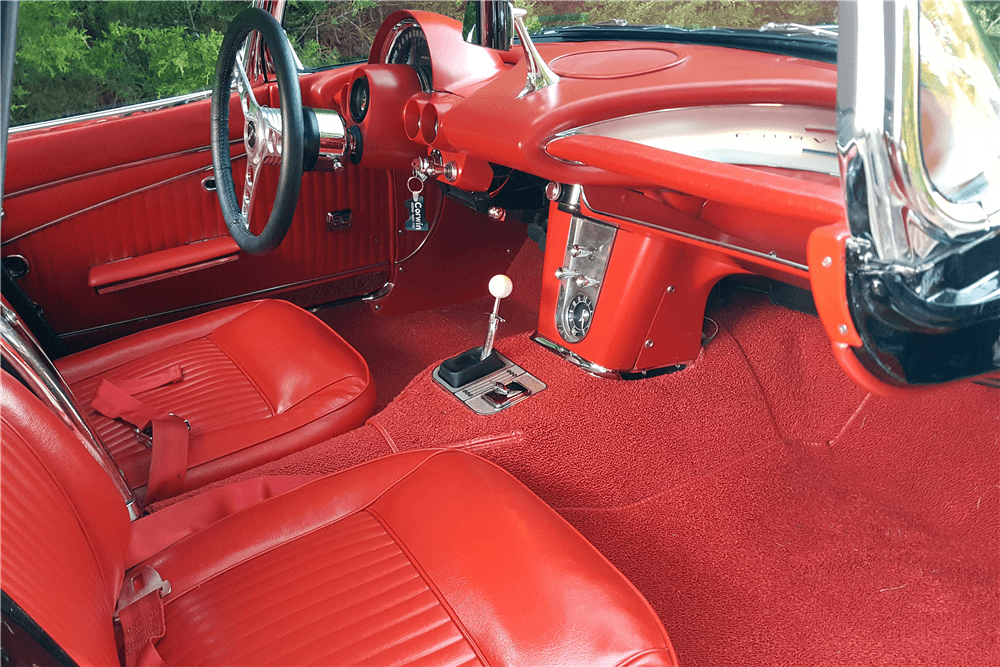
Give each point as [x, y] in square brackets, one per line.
[740, 14]
[76, 57]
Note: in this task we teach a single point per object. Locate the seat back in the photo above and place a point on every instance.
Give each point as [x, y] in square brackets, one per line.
[65, 530]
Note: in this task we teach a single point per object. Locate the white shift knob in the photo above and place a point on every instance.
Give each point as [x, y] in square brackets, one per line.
[501, 286]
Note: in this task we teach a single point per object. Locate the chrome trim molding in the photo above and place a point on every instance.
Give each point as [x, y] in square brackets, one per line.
[920, 124]
[380, 293]
[574, 358]
[141, 107]
[601, 371]
[684, 235]
[23, 352]
[70, 216]
[768, 135]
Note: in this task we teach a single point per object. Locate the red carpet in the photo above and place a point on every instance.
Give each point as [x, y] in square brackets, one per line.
[398, 347]
[771, 512]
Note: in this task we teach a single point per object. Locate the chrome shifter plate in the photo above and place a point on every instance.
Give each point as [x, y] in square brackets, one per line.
[473, 395]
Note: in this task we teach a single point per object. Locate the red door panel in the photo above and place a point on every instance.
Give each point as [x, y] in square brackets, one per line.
[92, 194]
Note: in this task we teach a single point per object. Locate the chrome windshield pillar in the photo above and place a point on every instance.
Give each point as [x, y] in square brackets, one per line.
[918, 122]
[22, 351]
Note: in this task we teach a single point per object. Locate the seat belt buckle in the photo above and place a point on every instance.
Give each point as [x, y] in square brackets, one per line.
[139, 584]
[144, 435]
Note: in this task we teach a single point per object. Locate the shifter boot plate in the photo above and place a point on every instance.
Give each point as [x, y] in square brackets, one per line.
[497, 391]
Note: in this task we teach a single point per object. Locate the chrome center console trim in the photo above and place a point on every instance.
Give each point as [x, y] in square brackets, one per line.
[597, 369]
[581, 276]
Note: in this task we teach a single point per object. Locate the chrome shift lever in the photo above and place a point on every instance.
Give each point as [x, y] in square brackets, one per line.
[500, 287]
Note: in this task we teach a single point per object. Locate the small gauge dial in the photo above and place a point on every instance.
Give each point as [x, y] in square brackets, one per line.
[578, 316]
[408, 46]
[360, 97]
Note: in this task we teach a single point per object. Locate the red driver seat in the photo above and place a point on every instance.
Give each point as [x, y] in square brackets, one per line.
[431, 557]
[260, 380]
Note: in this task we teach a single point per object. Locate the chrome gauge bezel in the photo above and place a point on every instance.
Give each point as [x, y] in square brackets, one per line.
[360, 99]
[396, 36]
[573, 328]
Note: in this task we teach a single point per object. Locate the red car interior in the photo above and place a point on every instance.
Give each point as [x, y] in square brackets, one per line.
[728, 472]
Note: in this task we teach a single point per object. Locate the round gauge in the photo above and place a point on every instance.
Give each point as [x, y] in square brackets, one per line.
[408, 46]
[360, 96]
[578, 316]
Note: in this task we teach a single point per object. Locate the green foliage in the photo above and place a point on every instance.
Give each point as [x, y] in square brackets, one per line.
[75, 57]
[686, 14]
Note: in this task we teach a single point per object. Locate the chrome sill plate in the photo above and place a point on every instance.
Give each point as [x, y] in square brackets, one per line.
[472, 395]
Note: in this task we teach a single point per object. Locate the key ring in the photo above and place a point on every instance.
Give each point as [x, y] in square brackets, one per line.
[419, 188]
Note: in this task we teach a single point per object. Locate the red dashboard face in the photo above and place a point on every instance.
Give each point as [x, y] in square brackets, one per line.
[679, 366]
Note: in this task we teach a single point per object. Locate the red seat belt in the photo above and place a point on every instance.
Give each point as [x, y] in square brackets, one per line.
[168, 467]
[140, 612]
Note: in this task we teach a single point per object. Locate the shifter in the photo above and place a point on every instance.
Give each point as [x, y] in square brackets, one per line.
[500, 287]
[482, 378]
[479, 362]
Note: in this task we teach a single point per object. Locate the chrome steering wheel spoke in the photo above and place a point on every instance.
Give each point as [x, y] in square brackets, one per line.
[261, 137]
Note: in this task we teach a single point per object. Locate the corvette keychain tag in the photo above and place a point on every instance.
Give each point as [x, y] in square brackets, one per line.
[416, 222]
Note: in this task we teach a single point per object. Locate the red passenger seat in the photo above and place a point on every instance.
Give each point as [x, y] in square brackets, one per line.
[427, 557]
[260, 380]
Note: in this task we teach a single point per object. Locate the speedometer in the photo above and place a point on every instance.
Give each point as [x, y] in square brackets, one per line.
[408, 46]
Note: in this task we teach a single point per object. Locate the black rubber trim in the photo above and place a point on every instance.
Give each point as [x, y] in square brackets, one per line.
[290, 180]
[310, 139]
[464, 368]
[358, 144]
[13, 614]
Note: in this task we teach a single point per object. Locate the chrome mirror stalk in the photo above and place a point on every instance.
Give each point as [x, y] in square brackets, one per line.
[540, 75]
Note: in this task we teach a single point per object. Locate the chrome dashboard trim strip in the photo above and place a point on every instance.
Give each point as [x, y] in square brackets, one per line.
[684, 235]
[786, 136]
[142, 107]
[124, 195]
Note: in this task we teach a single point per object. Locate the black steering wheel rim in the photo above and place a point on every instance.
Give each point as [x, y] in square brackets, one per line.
[292, 132]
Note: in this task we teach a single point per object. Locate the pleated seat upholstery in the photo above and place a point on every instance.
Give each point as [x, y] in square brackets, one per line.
[429, 557]
[261, 380]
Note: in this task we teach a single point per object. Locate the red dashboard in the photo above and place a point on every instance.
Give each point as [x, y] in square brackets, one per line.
[682, 220]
